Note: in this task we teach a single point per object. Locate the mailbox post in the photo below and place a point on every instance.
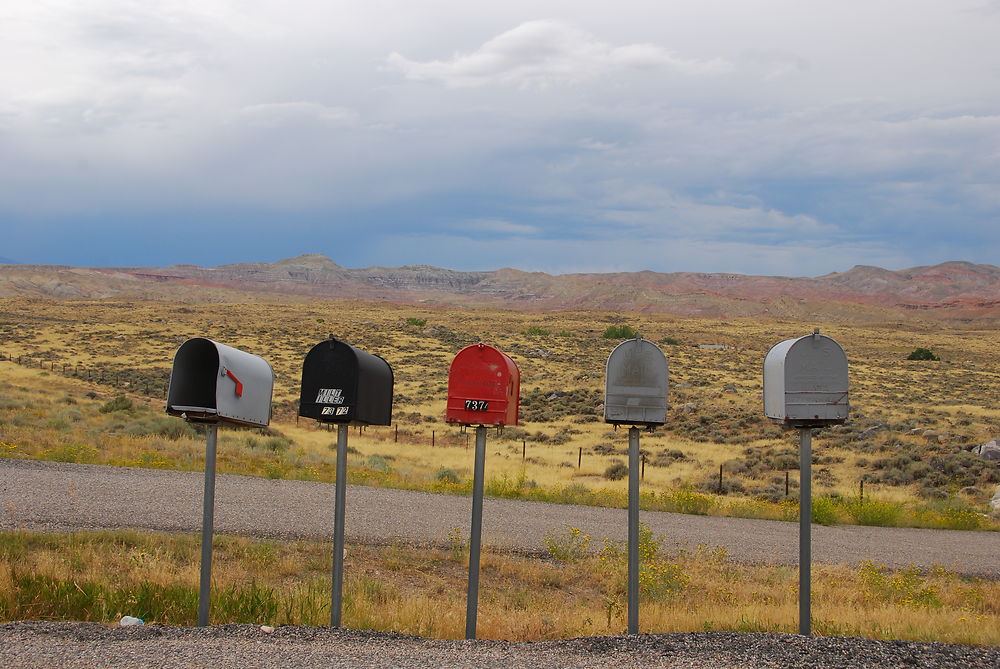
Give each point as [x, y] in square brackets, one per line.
[483, 389]
[806, 387]
[344, 385]
[636, 395]
[212, 383]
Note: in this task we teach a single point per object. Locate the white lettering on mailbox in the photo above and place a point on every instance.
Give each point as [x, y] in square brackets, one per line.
[330, 396]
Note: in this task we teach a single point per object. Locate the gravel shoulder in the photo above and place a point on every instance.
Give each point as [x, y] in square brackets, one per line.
[59, 496]
[40, 645]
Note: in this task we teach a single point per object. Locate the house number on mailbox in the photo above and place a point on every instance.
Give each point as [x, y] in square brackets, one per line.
[477, 405]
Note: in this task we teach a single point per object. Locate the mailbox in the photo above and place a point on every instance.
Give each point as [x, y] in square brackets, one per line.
[805, 382]
[343, 384]
[212, 382]
[484, 387]
[636, 377]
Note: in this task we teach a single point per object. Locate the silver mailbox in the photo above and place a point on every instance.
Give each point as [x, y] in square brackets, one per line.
[805, 382]
[636, 376]
[213, 382]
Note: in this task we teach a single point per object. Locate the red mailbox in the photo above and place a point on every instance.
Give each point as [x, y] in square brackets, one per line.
[484, 387]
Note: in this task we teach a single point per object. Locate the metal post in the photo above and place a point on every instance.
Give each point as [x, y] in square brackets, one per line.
[805, 531]
[579, 458]
[786, 484]
[633, 530]
[207, 526]
[524, 449]
[862, 488]
[475, 536]
[432, 437]
[340, 497]
[395, 439]
[720, 479]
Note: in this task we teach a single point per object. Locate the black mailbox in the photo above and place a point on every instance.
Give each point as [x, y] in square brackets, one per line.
[343, 384]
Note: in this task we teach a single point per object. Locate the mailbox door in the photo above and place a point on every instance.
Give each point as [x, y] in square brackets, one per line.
[637, 380]
[480, 388]
[816, 380]
[774, 380]
[329, 389]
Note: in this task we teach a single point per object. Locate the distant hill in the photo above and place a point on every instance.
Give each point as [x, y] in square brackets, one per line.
[958, 291]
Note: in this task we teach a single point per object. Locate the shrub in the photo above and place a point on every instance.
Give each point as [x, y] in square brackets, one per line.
[119, 403]
[419, 322]
[907, 586]
[686, 500]
[378, 463]
[922, 354]
[622, 331]
[824, 510]
[163, 426]
[868, 511]
[570, 546]
[446, 476]
[534, 330]
[670, 341]
[276, 444]
[617, 470]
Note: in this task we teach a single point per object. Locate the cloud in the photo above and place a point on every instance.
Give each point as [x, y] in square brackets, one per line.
[624, 254]
[281, 113]
[543, 53]
[498, 227]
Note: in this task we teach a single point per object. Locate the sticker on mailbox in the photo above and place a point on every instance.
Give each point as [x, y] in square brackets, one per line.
[330, 396]
[335, 411]
[477, 405]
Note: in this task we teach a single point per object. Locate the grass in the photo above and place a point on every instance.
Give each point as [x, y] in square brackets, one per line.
[715, 418]
[100, 576]
[60, 423]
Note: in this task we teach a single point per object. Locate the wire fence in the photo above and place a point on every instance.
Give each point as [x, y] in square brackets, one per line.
[151, 383]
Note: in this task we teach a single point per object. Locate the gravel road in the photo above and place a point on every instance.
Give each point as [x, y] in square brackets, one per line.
[36, 645]
[60, 496]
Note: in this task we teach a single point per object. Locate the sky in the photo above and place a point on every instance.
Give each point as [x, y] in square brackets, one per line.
[783, 137]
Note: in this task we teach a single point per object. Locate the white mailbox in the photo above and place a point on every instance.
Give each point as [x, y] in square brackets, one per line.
[213, 382]
[805, 382]
[636, 377]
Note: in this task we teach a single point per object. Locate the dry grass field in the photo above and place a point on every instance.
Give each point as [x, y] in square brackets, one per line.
[101, 576]
[911, 424]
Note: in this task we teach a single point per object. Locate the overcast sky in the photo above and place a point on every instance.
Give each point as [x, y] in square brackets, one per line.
[793, 137]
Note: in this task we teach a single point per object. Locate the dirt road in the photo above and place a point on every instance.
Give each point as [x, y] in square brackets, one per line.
[59, 496]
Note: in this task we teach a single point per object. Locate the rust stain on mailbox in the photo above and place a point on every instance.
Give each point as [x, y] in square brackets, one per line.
[637, 381]
[484, 387]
